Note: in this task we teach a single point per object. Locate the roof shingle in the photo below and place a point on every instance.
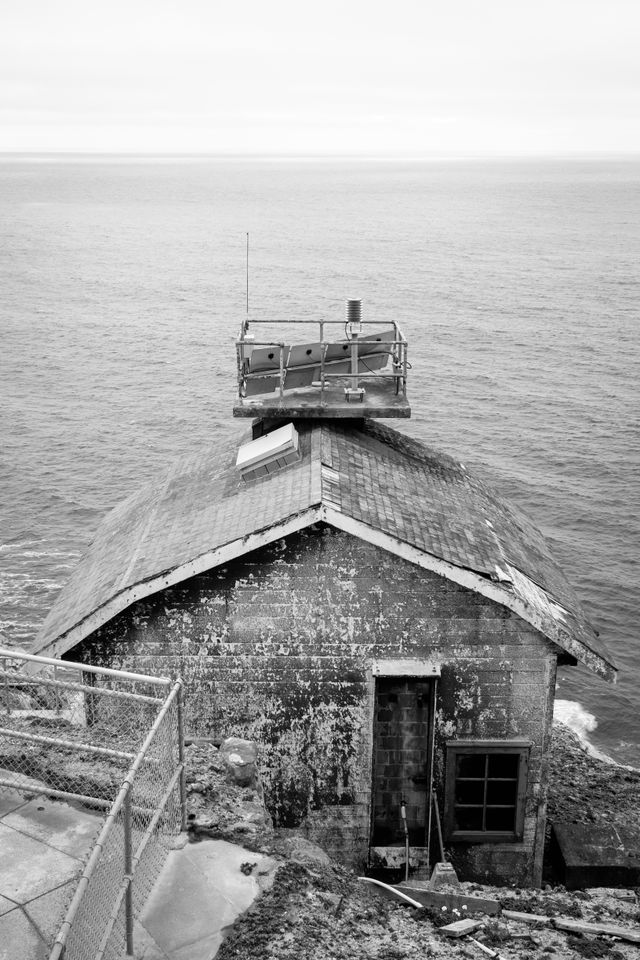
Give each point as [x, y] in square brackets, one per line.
[369, 473]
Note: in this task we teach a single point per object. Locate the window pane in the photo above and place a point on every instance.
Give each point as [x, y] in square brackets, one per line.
[470, 791]
[503, 765]
[471, 765]
[501, 818]
[502, 792]
[468, 818]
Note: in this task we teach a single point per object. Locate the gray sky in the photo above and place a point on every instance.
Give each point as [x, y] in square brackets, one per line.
[350, 77]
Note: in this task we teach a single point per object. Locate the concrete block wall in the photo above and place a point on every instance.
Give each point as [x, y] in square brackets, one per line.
[278, 647]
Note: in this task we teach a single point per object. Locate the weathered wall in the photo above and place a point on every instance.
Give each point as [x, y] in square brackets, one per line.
[278, 647]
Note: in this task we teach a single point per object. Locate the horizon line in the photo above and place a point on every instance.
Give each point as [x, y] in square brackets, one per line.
[35, 155]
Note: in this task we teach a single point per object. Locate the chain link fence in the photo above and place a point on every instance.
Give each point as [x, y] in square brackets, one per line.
[112, 741]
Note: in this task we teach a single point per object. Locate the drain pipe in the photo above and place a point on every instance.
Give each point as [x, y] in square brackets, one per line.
[403, 814]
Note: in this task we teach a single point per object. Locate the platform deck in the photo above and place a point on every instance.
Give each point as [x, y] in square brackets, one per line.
[380, 402]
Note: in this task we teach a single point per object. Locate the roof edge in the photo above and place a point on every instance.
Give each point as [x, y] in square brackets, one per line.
[470, 580]
[169, 578]
[492, 590]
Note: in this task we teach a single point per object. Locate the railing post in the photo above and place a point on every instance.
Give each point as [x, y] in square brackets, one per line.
[89, 679]
[128, 866]
[281, 370]
[323, 351]
[7, 693]
[183, 783]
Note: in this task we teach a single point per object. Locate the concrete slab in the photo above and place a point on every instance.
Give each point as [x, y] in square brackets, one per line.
[6, 906]
[57, 824]
[200, 891]
[47, 912]
[20, 940]
[145, 946]
[595, 855]
[204, 949]
[10, 800]
[31, 867]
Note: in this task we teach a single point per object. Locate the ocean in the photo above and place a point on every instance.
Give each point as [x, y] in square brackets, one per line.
[515, 282]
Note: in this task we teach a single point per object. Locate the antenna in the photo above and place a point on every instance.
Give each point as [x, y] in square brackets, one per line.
[247, 277]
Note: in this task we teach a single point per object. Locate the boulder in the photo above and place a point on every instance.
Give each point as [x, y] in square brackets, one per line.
[303, 851]
[240, 759]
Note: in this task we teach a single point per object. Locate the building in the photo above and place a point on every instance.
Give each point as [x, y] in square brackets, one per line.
[364, 608]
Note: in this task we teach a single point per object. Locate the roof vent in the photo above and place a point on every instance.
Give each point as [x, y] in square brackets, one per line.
[268, 453]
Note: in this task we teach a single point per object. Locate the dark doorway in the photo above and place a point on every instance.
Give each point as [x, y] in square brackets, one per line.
[402, 737]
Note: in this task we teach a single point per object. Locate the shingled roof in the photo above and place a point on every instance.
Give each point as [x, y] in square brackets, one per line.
[370, 481]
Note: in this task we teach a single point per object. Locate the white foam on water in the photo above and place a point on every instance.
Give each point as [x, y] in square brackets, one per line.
[573, 715]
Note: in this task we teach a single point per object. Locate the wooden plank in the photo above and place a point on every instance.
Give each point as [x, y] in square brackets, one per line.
[452, 901]
[597, 929]
[534, 918]
[461, 928]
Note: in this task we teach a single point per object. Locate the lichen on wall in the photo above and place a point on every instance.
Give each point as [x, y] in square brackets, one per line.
[278, 647]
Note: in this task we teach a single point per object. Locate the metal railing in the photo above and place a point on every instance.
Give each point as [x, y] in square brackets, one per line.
[358, 351]
[111, 741]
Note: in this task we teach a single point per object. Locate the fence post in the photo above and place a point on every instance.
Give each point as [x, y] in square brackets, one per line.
[128, 866]
[183, 785]
[90, 711]
[7, 692]
[57, 692]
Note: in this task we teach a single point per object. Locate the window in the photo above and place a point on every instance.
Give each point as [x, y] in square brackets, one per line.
[485, 790]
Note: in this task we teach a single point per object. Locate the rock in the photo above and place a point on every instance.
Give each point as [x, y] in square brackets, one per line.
[265, 873]
[330, 900]
[304, 851]
[220, 806]
[179, 842]
[240, 760]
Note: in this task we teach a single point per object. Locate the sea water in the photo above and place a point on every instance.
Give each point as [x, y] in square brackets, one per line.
[516, 283]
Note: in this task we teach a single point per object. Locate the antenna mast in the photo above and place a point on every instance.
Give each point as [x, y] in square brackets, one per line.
[247, 277]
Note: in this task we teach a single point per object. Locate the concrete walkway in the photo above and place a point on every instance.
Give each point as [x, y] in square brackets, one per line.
[201, 891]
[43, 846]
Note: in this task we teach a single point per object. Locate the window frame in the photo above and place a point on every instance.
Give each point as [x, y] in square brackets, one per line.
[459, 748]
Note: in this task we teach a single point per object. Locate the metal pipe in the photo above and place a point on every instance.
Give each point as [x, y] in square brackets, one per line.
[71, 744]
[284, 322]
[403, 814]
[6, 692]
[281, 371]
[152, 732]
[128, 874]
[154, 820]
[24, 680]
[96, 853]
[183, 783]
[134, 865]
[43, 789]
[432, 721]
[323, 351]
[85, 667]
[58, 947]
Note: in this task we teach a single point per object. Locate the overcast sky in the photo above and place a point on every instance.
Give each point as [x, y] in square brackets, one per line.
[350, 77]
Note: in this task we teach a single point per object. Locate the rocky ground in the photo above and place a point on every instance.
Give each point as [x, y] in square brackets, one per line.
[312, 907]
[317, 909]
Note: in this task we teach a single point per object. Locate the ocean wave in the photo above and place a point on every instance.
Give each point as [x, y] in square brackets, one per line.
[573, 715]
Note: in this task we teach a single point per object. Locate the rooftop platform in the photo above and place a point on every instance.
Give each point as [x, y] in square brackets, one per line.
[380, 400]
[361, 374]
